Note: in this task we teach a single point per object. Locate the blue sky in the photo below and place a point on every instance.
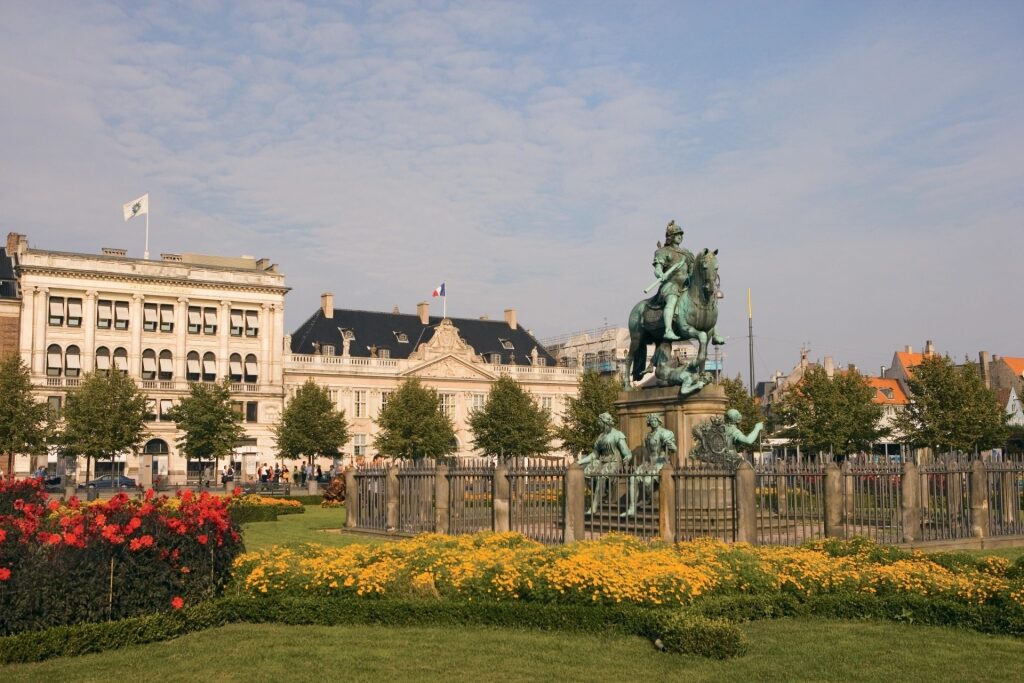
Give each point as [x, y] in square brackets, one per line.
[857, 164]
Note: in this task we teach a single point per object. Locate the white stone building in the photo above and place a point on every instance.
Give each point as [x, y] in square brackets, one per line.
[183, 318]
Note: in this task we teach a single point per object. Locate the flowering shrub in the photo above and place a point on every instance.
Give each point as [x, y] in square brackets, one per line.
[617, 569]
[72, 562]
[266, 501]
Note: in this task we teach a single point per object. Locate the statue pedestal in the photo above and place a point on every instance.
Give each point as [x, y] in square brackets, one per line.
[680, 414]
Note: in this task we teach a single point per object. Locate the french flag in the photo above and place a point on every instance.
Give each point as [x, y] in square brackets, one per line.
[439, 291]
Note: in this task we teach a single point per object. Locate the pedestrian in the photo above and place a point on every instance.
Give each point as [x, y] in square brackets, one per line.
[285, 475]
[319, 475]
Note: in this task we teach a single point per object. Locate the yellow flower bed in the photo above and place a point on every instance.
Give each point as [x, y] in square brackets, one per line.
[266, 501]
[616, 569]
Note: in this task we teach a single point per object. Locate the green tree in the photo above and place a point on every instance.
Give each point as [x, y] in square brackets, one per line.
[104, 416]
[310, 426]
[412, 424]
[835, 415]
[210, 426]
[596, 394]
[738, 397]
[950, 409]
[24, 423]
[511, 424]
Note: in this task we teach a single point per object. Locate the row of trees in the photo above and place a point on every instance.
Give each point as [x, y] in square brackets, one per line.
[106, 416]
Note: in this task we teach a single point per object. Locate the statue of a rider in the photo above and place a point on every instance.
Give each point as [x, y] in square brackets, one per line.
[665, 259]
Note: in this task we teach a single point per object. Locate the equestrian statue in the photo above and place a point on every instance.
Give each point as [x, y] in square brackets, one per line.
[685, 308]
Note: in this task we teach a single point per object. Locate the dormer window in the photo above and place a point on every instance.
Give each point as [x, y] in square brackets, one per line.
[496, 358]
[327, 349]
[506, 344]
[887, 393]
[401, 337]
[384, 353]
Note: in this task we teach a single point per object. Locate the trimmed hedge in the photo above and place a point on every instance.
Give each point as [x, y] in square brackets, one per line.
[306, 500]
[243, 514]
[674, 631]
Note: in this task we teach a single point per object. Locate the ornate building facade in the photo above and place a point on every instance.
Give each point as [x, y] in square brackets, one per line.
[185, 318]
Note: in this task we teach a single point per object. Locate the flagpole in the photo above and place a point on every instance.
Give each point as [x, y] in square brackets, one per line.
[444, 306]
[145, 253]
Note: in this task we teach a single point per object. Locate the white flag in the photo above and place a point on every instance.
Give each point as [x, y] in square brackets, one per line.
[140, 205]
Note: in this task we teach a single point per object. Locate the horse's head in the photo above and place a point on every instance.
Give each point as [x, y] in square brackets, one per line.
[707, 266]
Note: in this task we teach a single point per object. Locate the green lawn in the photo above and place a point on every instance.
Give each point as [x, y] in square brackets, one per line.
[783, 650]
[292, 530]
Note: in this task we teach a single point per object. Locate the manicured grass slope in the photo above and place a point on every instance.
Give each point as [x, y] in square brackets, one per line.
[292, 530]
[782, 650]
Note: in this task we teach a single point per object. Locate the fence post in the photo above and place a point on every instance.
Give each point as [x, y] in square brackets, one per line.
[351, 499]
[393, 492]
[746, 506]
[499, 509]
[979, 500]
[781, 490]
[910, 485]
[441, 498]
[850, 492]
[667, 503]
[574, 504]
[833, 501]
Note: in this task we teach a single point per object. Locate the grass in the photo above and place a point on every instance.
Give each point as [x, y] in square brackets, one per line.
[782, 650]
[294, 530]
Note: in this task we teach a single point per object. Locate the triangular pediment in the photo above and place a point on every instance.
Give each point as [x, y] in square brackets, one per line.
[450, 366]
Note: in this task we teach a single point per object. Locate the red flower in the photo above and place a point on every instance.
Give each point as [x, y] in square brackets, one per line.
[3, 535]
[74, 503]
[53, 505]
[134, 523]
[137, 544]
[5, 573]
[185, 570]
[70, 539]
[177, 602]
[237, 491]
[149, 494]
[202, 538]
[54, 539]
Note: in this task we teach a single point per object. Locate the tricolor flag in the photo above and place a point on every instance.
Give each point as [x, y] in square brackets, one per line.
[140, 205]
[439, 291]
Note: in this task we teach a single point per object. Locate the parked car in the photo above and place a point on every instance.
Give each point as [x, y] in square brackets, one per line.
[53, 484]
[107, 481]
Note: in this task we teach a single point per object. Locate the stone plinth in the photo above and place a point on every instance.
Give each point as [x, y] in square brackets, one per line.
[680, 415]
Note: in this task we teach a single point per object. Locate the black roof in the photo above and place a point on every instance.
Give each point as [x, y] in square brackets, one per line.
[8, 282]
[384, 331]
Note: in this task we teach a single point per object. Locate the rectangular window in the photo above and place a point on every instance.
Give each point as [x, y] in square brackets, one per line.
[148, 367]
[166, 369]
[57, 310]
[360, 402]
[54, 362]
[237, 323]
[72, 363]
[546, 403]
[327, 349]
[150, 410]
[252, 412]
[195, 319]
[167, 317]
[252, 323]
[209, 370]
[238, 408]
[209, 321]
[192, 369]
[150, 313]
[120, 315]
[235, 370]
[333, 393]
[103, 363]
[251, 372]
[166, 405]
[479, 400]
[104, 314]
[359, 444]
[384, 353]
[53, 403]
[447, 403]
[385, 396]
[74, 312]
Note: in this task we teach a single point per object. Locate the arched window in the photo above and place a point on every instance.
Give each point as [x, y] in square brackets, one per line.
[102, 360]
[251, 370]
[149, 364]
[121, 359]
[72, 362]
[209, 367]
[193, 370]
[54, 361]
[156, 447]
[235, 367]
[165, 369]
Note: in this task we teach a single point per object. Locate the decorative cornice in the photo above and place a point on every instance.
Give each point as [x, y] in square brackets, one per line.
[138, 277]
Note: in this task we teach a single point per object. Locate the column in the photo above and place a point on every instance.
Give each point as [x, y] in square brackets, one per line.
[181, 338]
[26, 325]
[574, 504]
[667, 503]
[500, 504]
[135, 325]
[39, 330]
[746, 507]
[277, 344]
[223, 336]
[266, 330]
[89, 323]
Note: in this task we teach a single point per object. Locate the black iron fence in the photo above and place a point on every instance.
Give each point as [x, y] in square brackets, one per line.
[537, 499]
[471, 496]
[790, 502]
[705, 502]
[371, 497]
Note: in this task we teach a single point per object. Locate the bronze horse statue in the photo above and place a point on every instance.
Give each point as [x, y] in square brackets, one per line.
[695, 318]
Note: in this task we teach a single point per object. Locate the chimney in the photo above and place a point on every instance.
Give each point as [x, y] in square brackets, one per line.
[423, 311]
[395, 311]
[830, 367]
[929, 348]
[908, 349]
[510, 318]
[881, 370]
[12, 243]
[986, 371]
[327, 304]
[851, 368]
